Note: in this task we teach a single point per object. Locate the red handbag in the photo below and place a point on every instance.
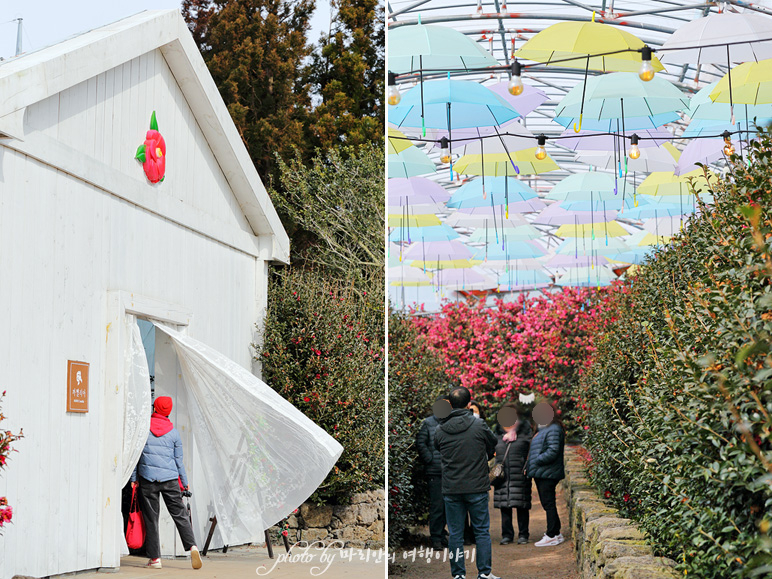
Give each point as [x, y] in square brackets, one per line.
[135, 531]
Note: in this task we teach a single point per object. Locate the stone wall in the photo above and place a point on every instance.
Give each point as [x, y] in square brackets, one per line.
[359, 524]
[607, 546]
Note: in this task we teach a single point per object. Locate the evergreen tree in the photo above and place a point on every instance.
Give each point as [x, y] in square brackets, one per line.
[347, 75]
[255, 51]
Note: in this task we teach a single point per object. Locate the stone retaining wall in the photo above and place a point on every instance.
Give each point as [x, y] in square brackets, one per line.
[607, 546]
[359, 524]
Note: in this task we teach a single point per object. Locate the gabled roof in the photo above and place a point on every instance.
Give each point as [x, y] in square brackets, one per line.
[36, 76]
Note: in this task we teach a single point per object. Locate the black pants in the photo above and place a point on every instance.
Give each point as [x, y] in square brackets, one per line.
[436, 509]
[523, 518]
[150, 505]
[546, 488]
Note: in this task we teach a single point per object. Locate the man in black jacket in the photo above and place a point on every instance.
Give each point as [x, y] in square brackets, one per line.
[466, 444]
[432, 461]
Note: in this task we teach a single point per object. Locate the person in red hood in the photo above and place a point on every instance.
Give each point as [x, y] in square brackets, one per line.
[161, 472]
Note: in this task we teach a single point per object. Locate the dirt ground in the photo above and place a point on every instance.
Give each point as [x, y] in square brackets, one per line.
[511, 561]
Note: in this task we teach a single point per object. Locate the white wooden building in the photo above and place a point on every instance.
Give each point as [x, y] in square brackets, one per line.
[85, 237]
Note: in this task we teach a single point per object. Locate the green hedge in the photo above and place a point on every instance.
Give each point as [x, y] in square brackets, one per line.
[415, 381]
[680, 394]
[323, 351]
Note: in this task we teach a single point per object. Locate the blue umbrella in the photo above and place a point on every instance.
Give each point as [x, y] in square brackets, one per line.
[515, 189]
[634, 123]
[516, 278]
[510, 251]
[430, 233]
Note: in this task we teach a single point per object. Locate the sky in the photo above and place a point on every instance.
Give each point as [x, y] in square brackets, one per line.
[46, 22]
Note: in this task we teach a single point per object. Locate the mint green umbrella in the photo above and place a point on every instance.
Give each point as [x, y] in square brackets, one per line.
[409, 163]
[418, 47]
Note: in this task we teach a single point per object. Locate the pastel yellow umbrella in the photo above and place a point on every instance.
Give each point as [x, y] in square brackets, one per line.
[652, 239]
[667, 183]
[500, 164]
[750, 83]
[568, 40]
[445, 264]
[398, 142]
[398, 220]
[608, 228]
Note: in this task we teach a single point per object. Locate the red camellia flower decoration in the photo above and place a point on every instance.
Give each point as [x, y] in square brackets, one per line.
[152, 153]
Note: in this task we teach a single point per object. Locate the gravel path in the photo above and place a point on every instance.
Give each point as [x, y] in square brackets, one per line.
[509, 561]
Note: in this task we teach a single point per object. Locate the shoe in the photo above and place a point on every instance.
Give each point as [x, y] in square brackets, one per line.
[195, 557]
[488, 576]
[459, 576]
[548, 541]
[154, 564]
[522, 540]
[560, 538]
[505, 541]
[437, 545]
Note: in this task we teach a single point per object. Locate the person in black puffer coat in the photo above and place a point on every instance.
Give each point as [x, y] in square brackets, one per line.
[545, 466]
[515, 490]
[432, 461]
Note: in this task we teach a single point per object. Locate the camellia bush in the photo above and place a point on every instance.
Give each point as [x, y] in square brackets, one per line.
[7, 438]
[537, 345]
[680, 391]
[415, 380]
[323, 350]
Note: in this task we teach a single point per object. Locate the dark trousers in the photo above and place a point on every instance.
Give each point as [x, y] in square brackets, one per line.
[150, 505]
[508, 530]
[546, 488]
[456, 508]
[436, 508]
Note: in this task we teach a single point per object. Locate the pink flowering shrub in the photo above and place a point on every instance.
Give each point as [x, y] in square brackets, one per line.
[541, 344]
[6, 439]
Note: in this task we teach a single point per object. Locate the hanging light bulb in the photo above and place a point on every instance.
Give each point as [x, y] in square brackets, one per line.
[728, 147]
[444, 150]
[646, 72]
[393, 97]
[515, 86]
[541, 152]
[634, 152]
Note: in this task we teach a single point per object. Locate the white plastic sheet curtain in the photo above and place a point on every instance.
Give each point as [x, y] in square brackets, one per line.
[261, 457]
[136, 400]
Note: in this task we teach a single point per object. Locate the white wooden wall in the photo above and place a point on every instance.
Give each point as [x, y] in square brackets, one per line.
[63, 245]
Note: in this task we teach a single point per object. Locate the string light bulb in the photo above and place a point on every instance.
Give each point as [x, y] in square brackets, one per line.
[728, 146]
[541, 152]
[515, 86]
[646, 72]
[444, 150]
[634, 152]
[392, 96]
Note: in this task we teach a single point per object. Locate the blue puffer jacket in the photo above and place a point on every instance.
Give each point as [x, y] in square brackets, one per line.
[161, 458]
[546, 458]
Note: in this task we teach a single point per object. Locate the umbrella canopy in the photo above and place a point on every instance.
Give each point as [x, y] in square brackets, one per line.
[703, 151]
[751, 85]
[434, 48]
[520, 233]
[703, 108]
[451, 104]
[523, 278]
[501, 164]
[479, 219]
[578, 246]
[643, 238]
[703, 38]
[417, 187]
[555, 214]
[587, 277]
[398, 142]
[570, 39]
[409, 163]
[420, 234]
[633, 123]
[596, 141]
[588, 186]
[667, 226]
[519, 138]
[465, 279]
[408, 276]
[654, 210]
[560, 261]
[510, 251]
[608, 228]
[526, 102]
[527, 206]
[663, 183]
[608, 94]
[747, 124]
[438, 250]
[473, 189]
[399, 220]
[634, 255]
[664, 158]
[606, 206]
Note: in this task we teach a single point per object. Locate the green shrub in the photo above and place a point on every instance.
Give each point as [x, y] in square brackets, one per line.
[323, 351]
[680, 394]
[415, 381]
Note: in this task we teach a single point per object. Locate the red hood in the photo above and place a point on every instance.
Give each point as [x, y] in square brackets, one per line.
[160, 424]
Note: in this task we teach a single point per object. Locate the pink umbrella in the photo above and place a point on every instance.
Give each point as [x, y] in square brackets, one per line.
[527, 206]
[701, 151]
[438, 251]
[556, 215]
[528, 101]
[573, 261]
[419, 187]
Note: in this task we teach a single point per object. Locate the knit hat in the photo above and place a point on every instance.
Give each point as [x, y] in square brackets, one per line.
[163, 405]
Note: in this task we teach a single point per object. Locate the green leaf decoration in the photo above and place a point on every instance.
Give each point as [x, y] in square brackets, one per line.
[153, 122]
[161, 179]
[140, 156]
